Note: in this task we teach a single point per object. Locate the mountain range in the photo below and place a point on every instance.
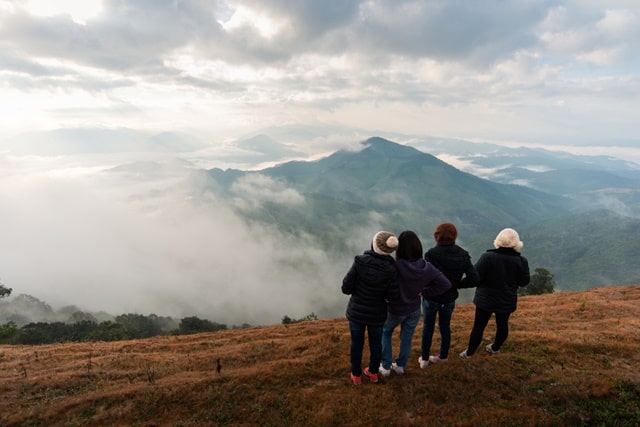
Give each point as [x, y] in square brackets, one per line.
[560, 213]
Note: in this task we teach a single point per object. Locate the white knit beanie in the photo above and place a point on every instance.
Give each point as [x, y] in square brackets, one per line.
[508, 238]
[384, 243]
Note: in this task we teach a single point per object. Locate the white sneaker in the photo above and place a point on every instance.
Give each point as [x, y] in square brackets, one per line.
[490, 349]
[384, 372]
[437, 359]
[464, 355]
[424, 364]
[397, 369]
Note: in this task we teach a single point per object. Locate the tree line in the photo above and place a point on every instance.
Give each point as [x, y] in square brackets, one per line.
[124, 327]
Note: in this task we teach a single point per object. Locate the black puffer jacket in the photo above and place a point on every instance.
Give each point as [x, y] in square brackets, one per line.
[501, 272]
[455, 263]
[371, 281]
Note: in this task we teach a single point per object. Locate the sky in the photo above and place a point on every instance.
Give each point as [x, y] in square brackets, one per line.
[551, 71]
[548, 73]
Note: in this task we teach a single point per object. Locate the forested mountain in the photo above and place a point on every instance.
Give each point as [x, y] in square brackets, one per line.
[393, 186]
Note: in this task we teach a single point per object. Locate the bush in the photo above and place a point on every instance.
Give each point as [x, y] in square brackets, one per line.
[8, 332]
[541, 283]
[194, 325]
[286, 320]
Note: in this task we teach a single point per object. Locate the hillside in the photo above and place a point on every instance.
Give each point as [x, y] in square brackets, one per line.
[403, 183]
[392, 186]
[571, 359]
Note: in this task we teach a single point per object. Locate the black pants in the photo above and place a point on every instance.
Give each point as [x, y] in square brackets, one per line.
[480, 322]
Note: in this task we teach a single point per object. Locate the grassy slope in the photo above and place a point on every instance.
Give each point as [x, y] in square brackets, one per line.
[571, 358]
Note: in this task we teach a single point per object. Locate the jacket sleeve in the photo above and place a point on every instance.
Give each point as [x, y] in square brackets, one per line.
[471, 277]
[481, 268]
[526, 276]
[437, 283]
[350, 280]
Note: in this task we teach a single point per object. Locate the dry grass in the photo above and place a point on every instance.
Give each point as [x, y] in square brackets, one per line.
[571, 359]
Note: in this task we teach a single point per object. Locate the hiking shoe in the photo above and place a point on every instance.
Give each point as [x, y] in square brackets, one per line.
[464, 355]
[356, 380]
[437, 359]
[424, 364]
[372, 377]
[397, 369]
[384, 372]
[490, 349]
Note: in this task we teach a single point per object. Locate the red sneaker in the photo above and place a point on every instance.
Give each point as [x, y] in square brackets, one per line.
[356, 380]
[372, 377]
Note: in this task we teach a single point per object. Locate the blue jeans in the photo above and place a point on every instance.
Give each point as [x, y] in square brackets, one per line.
[357, 345]
[407, 324]
[431, 309]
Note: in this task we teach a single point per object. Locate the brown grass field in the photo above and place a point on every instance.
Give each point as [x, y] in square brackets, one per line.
[571, 359]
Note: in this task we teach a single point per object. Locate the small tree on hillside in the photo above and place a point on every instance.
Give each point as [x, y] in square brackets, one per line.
[541, 283]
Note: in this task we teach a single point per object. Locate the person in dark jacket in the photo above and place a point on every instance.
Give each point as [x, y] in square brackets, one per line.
[371, 281]
[416, 277]
[455, 263]
[502, 270]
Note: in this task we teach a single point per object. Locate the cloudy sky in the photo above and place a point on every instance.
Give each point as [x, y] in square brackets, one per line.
[550, 71]
[559, 73]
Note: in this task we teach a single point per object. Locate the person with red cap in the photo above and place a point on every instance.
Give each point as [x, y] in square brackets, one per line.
[455, 263]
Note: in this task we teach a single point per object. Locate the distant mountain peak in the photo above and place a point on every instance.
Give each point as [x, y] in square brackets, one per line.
[385, 147]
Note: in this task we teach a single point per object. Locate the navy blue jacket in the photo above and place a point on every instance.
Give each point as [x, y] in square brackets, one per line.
[371, 281]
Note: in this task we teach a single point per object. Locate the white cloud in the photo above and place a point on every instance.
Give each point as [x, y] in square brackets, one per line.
[80, 11]
[227, 68]
[254, 190]
[135, 241]
[618, 23]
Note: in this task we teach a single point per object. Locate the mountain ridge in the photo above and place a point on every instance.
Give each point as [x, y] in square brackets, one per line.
[398, 187]
[352, 175]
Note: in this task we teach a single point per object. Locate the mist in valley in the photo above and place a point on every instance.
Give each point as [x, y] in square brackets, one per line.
[154, 237]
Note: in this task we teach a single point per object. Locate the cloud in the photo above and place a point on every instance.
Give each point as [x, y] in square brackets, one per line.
[154, 240]
[558, 71]
[599, 36]
[252, 191]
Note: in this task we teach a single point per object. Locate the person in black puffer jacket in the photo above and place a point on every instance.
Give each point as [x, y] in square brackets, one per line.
[502, 271]
[371, 281]
[455, 263]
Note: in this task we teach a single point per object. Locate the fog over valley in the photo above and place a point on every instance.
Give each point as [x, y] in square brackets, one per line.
[155, 239]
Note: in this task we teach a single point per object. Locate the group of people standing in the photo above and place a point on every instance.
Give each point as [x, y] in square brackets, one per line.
[387, 293]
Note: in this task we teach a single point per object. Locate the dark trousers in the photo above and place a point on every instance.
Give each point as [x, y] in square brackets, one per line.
[357, 345]
[430, 310]
[480, 322]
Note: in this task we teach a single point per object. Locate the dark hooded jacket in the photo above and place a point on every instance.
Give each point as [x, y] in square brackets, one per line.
[371, 281]
[454, 262]
[501, 272]
[416, 278]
